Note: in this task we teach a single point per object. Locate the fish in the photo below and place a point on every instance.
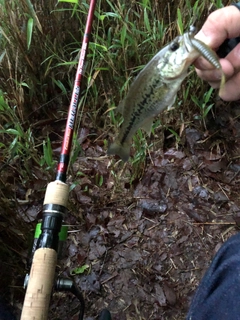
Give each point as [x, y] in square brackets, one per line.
[156, 86]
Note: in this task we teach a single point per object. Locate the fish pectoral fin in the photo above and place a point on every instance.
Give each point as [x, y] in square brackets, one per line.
[147, 126]
[171, 103]
[160, 86]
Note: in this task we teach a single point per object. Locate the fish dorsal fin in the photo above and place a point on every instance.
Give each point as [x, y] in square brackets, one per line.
[147, 126]
[120, 107]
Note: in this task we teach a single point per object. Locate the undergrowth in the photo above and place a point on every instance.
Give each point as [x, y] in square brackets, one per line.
[39, 50]
[40, 47]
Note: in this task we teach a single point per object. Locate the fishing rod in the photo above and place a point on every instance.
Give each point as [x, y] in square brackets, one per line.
[41, 280]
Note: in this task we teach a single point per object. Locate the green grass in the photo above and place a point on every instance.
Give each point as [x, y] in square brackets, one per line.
[18, 144]
[39, 53]
[39, 47]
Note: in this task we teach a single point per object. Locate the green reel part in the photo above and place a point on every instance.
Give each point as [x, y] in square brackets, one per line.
[62, 234]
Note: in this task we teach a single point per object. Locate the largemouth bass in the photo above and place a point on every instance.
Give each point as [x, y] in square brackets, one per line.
[156, 86]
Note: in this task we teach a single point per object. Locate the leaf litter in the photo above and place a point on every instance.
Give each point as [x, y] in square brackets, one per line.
[148, 245]
[142, 248]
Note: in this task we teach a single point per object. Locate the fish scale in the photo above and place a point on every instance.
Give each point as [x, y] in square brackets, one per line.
[138, 112]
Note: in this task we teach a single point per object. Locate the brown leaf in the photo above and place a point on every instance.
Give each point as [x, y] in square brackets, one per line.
[169, 294]
[159, 295]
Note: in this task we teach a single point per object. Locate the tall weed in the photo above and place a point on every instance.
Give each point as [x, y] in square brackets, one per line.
[39, 50]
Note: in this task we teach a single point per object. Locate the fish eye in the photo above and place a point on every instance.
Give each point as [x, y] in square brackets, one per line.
[174, 46]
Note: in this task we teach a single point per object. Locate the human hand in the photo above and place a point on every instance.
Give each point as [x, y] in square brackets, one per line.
[220, 25]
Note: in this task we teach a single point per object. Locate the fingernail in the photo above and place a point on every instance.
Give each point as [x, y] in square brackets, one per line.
[217, 74]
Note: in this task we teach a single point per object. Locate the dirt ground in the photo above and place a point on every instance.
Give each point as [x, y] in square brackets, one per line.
[146, 244]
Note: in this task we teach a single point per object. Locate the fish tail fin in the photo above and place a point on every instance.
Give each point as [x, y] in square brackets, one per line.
[122, 150]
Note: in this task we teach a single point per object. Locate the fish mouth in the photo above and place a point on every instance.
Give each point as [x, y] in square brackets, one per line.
[189, 47]
[187, 42]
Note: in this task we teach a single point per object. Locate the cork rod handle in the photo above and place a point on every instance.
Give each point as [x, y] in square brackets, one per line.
[40, 283]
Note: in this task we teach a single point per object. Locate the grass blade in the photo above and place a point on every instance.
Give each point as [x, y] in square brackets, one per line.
[34, 15]
[29, 32]
[71, 1]
[179, 21]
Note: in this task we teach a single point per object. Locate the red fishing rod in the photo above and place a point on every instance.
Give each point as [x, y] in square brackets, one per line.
[41, 280]
[72, 112]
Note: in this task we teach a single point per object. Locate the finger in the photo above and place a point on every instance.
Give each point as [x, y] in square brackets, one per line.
[234, 58]
[230, 91]
[215, 75]
[203, 64]
[209, 75]
[221, 24]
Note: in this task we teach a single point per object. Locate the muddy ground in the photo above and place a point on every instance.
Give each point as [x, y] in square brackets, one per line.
[146, 244]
